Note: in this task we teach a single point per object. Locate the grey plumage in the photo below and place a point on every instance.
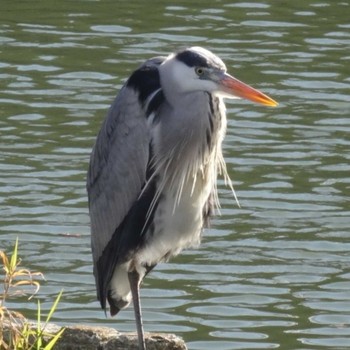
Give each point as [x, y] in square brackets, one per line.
[152, 177]
[116, 175]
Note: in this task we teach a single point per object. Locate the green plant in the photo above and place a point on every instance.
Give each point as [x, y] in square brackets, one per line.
[16, 332]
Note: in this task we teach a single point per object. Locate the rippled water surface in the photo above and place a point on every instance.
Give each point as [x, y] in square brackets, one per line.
[271, 274]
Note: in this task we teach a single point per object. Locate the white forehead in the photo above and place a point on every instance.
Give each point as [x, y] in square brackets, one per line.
[208, 55]
[197, 56]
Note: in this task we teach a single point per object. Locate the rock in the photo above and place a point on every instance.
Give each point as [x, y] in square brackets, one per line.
[103, 338]
[81, 337]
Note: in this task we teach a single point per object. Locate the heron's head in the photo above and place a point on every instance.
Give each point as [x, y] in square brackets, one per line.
[197, 69]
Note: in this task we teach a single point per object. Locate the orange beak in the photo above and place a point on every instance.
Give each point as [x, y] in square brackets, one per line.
[234, 87]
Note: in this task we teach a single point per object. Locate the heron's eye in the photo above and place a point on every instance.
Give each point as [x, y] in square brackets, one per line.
[199, 71]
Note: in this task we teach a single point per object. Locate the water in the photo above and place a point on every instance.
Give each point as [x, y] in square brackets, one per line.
[271, 274]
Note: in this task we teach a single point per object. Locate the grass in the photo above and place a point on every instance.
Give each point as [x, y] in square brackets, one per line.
[16, 331]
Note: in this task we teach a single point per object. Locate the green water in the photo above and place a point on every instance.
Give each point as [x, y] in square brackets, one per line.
[274, 273]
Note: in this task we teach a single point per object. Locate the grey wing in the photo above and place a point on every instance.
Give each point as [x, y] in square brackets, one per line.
[117, 168]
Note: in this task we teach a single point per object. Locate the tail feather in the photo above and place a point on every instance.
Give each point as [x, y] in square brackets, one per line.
[115, 305]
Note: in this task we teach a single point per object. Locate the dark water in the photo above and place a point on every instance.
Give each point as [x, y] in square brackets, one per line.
[274, 273]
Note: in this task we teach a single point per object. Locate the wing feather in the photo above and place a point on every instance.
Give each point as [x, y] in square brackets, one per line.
[117, 169]
[119, 166]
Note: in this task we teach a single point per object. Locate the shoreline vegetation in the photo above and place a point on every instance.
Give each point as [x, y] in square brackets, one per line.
[16, 331]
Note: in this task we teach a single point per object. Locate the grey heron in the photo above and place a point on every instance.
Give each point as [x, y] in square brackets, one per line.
[153, 169]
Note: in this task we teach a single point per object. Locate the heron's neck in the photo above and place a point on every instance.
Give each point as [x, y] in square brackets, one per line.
[188, 139]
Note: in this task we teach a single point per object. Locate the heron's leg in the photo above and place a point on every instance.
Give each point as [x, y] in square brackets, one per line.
[135, 280]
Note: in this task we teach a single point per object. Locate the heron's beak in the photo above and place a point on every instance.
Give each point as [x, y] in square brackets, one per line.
[232, 86]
